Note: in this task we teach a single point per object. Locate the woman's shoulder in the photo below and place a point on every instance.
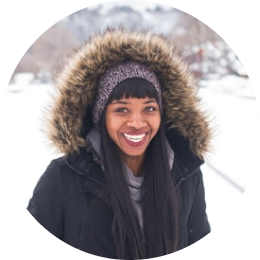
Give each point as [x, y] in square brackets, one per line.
[56, 168]
[56, 176]
[70, 164]
[75, 167]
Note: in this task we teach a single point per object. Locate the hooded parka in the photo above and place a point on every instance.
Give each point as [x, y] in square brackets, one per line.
[70, 200]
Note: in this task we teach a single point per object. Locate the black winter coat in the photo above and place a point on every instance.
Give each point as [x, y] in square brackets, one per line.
[71, 202]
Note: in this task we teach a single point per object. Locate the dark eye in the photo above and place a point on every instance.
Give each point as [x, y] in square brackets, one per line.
[150, 109]
[121, 110]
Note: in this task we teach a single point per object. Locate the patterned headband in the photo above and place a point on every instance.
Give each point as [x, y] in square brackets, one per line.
[113, 76]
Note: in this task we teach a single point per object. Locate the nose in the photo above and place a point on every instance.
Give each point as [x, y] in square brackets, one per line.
[137, 121]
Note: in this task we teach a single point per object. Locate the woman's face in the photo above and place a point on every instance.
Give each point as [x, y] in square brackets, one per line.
[132, 123]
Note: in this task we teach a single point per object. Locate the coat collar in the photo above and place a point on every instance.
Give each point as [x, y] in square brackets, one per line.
[87, 163]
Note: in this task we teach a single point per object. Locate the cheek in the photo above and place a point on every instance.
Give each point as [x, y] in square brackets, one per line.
[156, 124]
[112, 127]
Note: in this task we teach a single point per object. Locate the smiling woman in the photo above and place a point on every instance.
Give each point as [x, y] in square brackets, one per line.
[129, 185]
[133, 119]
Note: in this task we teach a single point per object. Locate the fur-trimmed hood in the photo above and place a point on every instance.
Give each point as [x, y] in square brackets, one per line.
[76, 88]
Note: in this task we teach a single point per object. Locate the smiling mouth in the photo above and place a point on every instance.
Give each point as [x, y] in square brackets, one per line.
[134, 138]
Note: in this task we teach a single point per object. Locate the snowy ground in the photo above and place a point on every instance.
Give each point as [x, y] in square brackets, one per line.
[226, 171]
[234, 161]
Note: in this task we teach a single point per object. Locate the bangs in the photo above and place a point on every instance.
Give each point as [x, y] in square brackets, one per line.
[133, 88]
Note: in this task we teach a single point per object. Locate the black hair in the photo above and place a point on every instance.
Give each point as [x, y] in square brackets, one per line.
[159, 204]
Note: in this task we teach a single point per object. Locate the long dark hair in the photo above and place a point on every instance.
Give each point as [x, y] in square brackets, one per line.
[159, 204]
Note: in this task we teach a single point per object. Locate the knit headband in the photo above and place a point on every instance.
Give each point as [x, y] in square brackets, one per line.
[113, 76]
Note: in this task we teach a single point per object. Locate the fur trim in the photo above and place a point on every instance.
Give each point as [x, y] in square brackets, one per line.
[76, 87]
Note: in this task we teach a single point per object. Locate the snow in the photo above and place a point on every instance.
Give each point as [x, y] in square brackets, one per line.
[230, 100]
[233, 106]
[23, 78]
[140, 6]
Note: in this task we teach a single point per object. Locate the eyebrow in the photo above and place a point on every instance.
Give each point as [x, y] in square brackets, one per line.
[126, 103]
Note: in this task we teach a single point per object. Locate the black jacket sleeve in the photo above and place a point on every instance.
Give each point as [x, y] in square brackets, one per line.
[198, 225]
[46, 204]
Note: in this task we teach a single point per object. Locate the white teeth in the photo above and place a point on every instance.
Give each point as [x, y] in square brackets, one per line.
[135, 138]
